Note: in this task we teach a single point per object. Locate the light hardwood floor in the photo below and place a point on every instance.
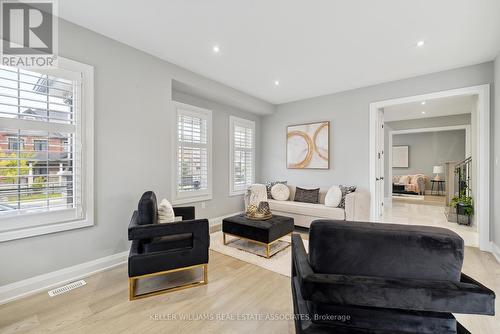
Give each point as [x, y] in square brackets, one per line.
[427, 200]
[234, 287]
[399, 212]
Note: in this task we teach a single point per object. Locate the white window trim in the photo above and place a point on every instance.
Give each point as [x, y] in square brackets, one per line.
[195, 196]
[29, 225]
[233, 120]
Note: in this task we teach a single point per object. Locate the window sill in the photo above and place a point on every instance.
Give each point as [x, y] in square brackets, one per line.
[186, 200]
[42, 230]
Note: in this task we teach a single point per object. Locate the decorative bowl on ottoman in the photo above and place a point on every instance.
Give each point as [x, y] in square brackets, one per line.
[260, 212]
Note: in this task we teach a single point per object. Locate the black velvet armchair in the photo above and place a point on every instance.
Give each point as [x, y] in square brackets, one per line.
[159, 249]
[382, 278]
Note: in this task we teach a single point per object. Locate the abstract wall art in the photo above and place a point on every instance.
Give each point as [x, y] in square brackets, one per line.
[308, 146]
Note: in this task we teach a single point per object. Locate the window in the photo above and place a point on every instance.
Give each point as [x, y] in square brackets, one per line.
[241, 154]
[45, 149]
[40, 145]
[193, 154]
[15, 144]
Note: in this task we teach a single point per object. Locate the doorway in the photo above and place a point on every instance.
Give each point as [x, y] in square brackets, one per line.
[480, 143]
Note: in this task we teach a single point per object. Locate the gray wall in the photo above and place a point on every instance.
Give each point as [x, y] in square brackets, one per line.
[496, 157]
[463, 119]
[429, 149]
[132, 133]
[221, 203]
[132, 151]
[348, 113]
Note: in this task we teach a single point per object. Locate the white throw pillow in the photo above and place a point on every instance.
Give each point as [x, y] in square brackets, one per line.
[165, 212]
[280, 192]
[333, 197]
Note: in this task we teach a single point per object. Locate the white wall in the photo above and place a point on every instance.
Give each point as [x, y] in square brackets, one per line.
[348, 113]
[132, 151]
[430, 122]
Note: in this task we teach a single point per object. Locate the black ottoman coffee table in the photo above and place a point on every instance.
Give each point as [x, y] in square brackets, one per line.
[264, 232]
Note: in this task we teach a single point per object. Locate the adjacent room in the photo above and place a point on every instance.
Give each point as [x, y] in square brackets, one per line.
[429, 164]
[259, 166]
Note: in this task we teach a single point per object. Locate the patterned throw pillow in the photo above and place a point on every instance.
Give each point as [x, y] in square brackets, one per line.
[280, 192]
[306, 195]
[345, 190]
[269, 185]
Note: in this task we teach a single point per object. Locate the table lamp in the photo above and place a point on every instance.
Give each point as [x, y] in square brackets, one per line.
[438, 170]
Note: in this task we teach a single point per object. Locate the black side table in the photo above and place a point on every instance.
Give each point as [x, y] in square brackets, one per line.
[440, 187]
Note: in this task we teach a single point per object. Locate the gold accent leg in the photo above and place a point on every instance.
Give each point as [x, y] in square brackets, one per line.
[267, 250]
[205, 274]
[132, 282]
[131, 288]
[224, 238]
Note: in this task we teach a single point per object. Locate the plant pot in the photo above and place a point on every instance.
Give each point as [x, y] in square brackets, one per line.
[462, 208]
[464, 220]
[462, 217]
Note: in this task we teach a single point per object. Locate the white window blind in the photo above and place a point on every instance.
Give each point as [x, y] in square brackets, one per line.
[242, 154]
[41, 148]
[193, 153]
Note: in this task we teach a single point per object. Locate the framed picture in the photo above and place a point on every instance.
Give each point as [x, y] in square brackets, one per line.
[308, 146]
[400, 156]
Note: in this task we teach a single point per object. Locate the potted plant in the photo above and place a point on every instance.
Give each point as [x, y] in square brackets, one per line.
[464, 207]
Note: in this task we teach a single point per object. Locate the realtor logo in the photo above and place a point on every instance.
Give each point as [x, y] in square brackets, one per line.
[29, 33]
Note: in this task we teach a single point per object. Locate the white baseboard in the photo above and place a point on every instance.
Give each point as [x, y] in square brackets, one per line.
[218, 220]
[495, 250]
[56, 278]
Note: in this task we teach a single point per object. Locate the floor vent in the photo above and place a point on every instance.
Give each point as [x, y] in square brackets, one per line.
[66, 288]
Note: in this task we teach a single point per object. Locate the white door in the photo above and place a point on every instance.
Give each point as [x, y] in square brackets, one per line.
[379, 173]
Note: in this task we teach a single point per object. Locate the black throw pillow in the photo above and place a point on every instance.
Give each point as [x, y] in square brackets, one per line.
[147, 209]
[306, 195]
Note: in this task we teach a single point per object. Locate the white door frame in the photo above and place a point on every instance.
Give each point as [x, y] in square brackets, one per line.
[482, 200]
[466, 127]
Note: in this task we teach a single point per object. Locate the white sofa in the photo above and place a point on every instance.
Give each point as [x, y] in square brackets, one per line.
[357, 208]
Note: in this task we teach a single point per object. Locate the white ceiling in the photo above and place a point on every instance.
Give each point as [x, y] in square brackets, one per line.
[433, 108]
[312, 47]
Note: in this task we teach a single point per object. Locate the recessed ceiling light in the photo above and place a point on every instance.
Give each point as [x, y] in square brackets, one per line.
[276, 82]
[420, 43]
[216, 49]
[423, 103]
[423, 112]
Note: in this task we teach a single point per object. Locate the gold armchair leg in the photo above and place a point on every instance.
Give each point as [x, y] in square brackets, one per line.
[205, 273]
[267, 250]
[132, 282]
[131, 288]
